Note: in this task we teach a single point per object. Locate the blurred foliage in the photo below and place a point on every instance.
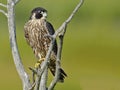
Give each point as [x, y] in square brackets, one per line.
[91, 53]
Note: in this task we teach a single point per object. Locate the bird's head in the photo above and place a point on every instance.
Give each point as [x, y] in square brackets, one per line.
[38, 13]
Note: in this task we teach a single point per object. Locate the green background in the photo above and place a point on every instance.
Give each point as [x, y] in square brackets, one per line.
[91, 52]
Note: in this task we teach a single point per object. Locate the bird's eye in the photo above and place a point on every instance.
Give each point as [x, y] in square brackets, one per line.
[38, 15]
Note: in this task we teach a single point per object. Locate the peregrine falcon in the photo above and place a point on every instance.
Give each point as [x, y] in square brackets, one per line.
[35, 31]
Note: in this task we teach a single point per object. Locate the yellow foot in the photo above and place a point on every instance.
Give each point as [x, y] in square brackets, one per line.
[39, 62]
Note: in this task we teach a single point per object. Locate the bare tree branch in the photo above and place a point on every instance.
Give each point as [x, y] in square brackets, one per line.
[16, 1]
[3, 5]
[74, 11]
[69, 18]
[37, 82]
[43, 81]
[3, 12]
[41, 78]
[16, 56]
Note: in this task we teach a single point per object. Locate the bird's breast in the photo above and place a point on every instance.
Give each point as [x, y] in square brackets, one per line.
[39, 39]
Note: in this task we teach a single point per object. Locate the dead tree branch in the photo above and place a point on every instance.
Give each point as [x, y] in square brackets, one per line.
[16, 1]
[3, 12]
[12, 36]
[43, 81]
[3, 5]
[62, 27]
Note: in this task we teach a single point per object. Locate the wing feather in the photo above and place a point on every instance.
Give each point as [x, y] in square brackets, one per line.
[51, 32]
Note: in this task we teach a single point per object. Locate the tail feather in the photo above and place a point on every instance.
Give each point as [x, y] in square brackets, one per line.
[62, 74]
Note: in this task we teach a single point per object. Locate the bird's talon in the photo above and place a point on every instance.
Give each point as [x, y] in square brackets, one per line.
[39, 62]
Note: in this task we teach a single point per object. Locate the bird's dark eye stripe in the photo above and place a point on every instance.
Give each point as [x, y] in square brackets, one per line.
[38, 16]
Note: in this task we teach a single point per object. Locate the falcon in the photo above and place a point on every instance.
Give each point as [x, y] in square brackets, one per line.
[35, 31]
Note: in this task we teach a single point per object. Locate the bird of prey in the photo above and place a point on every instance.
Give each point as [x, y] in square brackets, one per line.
[35, 31]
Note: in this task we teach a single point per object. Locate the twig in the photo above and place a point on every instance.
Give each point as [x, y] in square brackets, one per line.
[61, 31]
[74, 11]
[32, 87]
[41, 75]
[3, 5]
[69, 18]
[3, 12]
[43, 81]
[16, 1]
[37, 82]
[33, 70]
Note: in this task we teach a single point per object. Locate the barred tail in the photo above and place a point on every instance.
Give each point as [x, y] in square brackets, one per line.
[62, 73]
